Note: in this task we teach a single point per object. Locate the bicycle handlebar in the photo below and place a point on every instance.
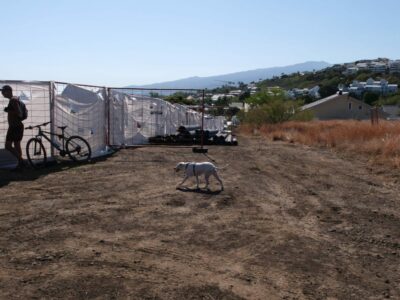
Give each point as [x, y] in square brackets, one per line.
[38, 126]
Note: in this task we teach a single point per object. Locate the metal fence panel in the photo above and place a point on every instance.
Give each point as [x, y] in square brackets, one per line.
[36, 96]
[138, 114]
[82, 108]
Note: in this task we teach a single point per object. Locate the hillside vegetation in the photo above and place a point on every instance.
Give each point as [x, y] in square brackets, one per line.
[328, 80]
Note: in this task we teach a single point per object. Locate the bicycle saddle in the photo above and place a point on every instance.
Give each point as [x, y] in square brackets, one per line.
[62, 127]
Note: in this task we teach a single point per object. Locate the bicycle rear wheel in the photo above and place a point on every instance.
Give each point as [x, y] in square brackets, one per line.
[78, 149]
[36, 153]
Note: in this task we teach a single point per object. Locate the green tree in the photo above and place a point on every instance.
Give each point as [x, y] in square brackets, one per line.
[390, 100]
[241, 85]
[231, 111]
[328, 90]
[243, 96]
[307, 99]
[265, 96]
[370, 98]
[154, 95]
[275, 110]
[180, 98]
[258, 99]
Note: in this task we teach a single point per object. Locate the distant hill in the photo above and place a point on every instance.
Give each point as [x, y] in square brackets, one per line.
[245, 76]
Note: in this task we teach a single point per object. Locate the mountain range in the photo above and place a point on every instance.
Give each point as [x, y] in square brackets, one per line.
[211, 82]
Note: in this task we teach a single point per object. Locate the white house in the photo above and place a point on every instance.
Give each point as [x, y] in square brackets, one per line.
[394, 66]
[381, 87]
[217, 97]
[241, 105]
[295, 93]
[235, 93]
[362, 66]
[314, 92]
[351, 71]
[377, 67]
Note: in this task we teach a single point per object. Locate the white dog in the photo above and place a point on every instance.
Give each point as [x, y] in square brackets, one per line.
[196, 169]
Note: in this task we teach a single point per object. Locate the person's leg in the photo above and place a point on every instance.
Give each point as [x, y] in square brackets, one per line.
[10, 138]
[10, 148]
[18, 150]
[13, 142]
[18, 135]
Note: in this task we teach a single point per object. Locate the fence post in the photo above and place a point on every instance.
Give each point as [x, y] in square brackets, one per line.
[52, 93]
[202, 120]
[374, 115]
[371, 113]
[107, 115]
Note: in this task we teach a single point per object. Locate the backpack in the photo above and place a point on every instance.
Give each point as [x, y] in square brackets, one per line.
[23, 111]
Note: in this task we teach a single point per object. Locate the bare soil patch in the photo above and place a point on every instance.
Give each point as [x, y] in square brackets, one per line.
[293, 223]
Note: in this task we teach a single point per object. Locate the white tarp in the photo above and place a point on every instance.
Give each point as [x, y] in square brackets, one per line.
[83, 111]
[214, 122]
[136, 118]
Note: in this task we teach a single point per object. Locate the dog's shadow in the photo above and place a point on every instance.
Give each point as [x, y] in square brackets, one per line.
[198, 190]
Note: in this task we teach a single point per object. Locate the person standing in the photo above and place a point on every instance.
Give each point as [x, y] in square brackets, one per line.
[15, 130]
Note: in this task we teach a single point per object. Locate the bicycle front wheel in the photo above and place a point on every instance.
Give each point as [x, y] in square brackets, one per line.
[78, 149]
[36, 153]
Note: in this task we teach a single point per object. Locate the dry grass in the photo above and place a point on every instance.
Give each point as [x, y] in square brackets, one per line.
[380, 142]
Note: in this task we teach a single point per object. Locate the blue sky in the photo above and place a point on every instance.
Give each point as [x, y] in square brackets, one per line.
[117, 43]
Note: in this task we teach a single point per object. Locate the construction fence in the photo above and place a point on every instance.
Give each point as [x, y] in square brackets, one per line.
[103, 116]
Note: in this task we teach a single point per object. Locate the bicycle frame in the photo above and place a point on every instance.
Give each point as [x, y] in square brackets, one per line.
[42, 133]
[37, 155]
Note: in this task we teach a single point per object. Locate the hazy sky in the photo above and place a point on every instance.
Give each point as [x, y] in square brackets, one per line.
[118, 43]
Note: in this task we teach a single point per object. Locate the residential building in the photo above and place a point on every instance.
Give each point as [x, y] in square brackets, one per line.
[314, 92]
[339, 106]
[296, 93]
[394, 66]
[377, 67]
[337, 67]
[381, 87]
[362, 66]
[254, 90]
[392, 112]
[235, 93]
[351, 71]
[217, 97]
[241, 105]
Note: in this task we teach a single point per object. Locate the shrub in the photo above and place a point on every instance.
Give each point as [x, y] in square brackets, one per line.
[303, 116]
[275, 110]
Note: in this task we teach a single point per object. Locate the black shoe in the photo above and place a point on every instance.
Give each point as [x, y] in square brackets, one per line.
[24, 164]
[17, 169]
[21, 166]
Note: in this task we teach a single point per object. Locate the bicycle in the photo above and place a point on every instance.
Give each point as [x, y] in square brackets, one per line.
[76, 147]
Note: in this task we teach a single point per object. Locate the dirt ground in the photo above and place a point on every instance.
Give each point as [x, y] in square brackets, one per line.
[292, 223]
